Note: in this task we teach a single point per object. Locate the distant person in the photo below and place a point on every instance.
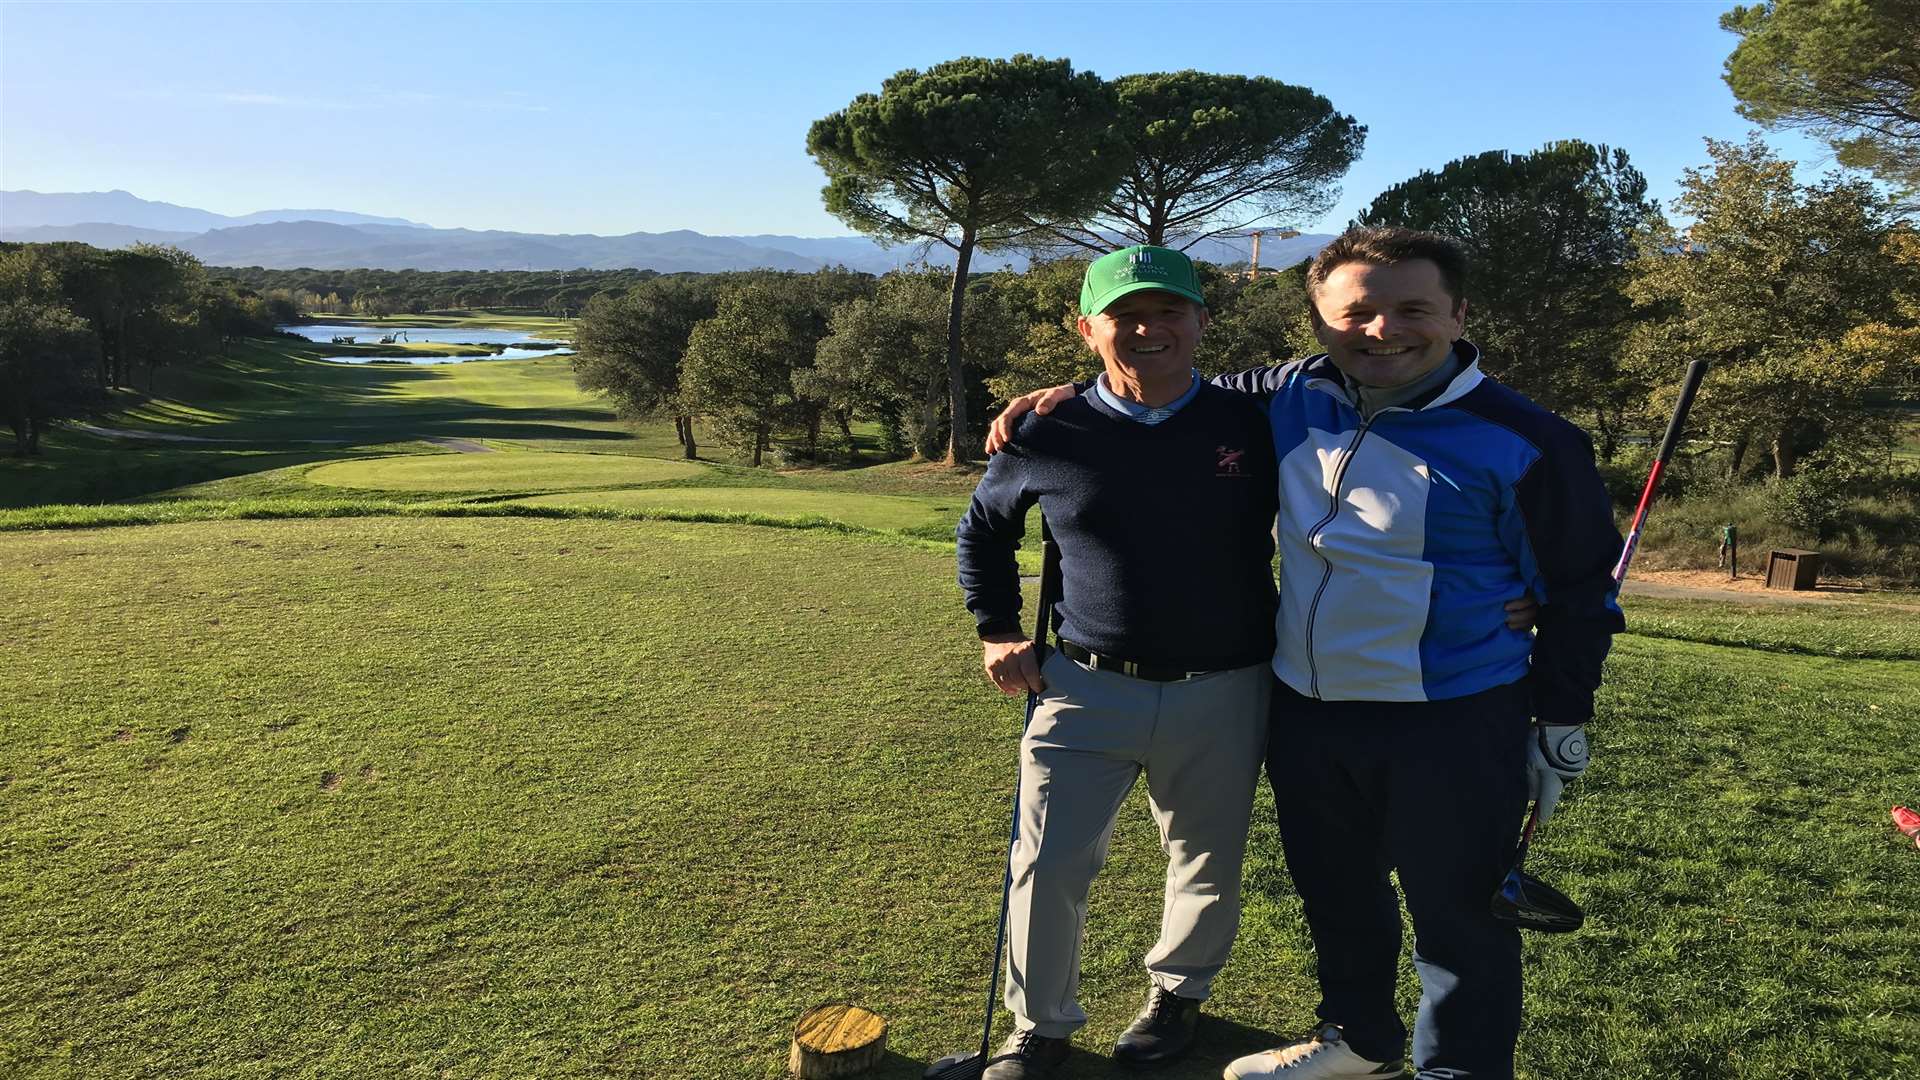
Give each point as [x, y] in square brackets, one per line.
[1412, 721]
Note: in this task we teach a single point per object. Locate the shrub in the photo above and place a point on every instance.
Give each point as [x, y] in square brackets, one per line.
[1807, 501]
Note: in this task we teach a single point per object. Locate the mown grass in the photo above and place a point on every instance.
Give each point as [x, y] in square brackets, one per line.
[578, 797]
[880, 522]
[500, 472]
[1888, 631]
[275, 396]
[917, 514]
[488, 775]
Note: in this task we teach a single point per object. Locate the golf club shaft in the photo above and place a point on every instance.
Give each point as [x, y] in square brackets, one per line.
[1042, 626]
[1695, 372]
[1526, 835]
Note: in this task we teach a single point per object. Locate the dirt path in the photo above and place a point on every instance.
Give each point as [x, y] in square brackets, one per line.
[1747, 589]
[464, 446]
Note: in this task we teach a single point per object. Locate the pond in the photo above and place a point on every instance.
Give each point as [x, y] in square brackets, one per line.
[470, 335]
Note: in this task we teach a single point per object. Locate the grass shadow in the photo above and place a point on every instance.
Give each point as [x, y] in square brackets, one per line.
[1218, 1042]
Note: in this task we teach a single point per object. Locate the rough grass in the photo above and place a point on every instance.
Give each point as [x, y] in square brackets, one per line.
[1875, 540]
[490, 797]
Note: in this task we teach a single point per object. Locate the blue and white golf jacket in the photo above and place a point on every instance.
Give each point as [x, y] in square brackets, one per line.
[1402, 536]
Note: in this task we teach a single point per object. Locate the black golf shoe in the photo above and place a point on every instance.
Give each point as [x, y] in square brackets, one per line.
[1162, 1031]
[1027, 1056]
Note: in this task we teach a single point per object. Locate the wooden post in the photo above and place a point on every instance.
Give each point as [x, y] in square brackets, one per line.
[836, 1040]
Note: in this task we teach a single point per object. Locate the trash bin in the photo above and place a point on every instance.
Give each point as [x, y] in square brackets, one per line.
[1793, 568]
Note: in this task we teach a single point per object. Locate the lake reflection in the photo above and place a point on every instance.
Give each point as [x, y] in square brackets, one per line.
[475, 335]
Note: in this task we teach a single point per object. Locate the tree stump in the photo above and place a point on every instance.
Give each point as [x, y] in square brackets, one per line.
[836, 1040]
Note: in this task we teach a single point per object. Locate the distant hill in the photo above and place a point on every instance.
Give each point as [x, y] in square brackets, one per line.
[98, 233]
[30, 209]
[340, 240]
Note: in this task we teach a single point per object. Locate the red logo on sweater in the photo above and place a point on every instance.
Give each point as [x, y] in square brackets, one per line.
[1229, 461]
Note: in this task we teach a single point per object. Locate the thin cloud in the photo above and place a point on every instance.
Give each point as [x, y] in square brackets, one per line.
[508, 102]
[254, 98]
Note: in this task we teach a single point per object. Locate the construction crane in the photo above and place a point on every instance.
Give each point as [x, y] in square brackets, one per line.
[1253, 264]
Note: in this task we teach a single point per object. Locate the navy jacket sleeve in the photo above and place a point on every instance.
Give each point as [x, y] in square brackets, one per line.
[1561, 528]
[1263, 381]
[988, 536]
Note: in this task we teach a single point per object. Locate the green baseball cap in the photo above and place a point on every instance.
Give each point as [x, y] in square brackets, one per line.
[1131, 269]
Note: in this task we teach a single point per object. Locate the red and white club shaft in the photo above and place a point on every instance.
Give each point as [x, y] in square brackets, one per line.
[1695, 372]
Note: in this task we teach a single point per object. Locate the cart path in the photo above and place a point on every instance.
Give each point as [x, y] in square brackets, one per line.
[464, 446]
[1664, 591]
[1750, 588]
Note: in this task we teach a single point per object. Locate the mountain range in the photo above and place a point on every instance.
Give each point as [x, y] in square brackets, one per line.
[342, 240]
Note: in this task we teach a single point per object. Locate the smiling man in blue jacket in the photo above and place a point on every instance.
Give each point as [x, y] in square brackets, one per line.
[1411, 720]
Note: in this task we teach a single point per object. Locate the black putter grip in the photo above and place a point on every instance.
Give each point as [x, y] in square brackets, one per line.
[1695, 372]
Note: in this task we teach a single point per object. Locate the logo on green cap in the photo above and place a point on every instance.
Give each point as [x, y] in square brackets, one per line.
[1133, 269]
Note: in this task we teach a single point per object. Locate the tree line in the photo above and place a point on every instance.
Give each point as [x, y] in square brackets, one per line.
[76, 321]
[1806, 297]
[766, 357]
[381, 293]
[1586, 297]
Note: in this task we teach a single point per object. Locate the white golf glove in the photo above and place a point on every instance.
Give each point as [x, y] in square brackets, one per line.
[1556, 756]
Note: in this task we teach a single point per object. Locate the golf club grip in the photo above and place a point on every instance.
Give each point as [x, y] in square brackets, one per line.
[1696, 371]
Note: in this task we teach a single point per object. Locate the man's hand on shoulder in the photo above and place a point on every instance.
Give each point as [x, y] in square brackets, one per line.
[1040, 401]
[1012, 664]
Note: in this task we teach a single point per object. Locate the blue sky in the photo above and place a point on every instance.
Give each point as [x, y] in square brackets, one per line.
[612, 118]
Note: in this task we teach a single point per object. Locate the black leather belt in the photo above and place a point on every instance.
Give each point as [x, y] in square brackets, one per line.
[1149, 672]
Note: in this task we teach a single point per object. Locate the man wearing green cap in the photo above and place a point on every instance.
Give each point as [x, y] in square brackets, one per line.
[1161, 491]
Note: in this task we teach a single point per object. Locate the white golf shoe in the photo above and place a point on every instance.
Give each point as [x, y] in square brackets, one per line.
[1326, 1056]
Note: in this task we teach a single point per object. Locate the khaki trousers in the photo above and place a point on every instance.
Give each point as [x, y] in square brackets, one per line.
[1200, 743]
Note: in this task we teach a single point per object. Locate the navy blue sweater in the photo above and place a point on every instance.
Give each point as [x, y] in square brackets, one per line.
[1165, 530]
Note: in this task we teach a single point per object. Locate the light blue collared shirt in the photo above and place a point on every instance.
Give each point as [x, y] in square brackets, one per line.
[1146, 414]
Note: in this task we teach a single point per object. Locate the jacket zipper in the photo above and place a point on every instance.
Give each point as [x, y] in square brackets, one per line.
[1326, 574]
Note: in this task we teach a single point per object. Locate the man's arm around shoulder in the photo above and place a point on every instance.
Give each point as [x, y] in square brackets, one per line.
[1567, 543]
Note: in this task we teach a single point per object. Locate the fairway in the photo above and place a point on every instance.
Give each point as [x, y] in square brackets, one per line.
[525, 471]
[554, 796]
[896, 512]
[526, 798]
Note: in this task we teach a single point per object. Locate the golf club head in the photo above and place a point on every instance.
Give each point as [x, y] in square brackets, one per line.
[963, 1066]
[1532, 904]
